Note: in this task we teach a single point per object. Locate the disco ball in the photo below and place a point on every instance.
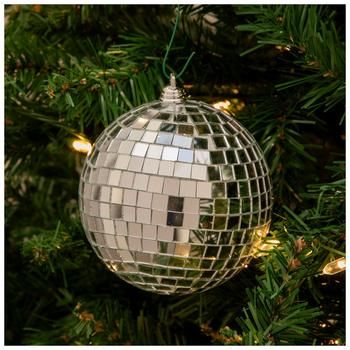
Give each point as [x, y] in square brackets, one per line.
[175, 195]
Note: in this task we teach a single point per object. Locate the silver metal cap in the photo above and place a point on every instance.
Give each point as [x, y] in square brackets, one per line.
[171, 94]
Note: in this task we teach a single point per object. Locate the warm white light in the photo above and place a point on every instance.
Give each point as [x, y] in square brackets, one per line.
[265, 246]
[182, 250]
[82, 146]
[222, 105]
[335, 266]
[341, 264]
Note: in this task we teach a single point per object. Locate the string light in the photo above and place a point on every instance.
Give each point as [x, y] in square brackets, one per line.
[265, 246]
[222, 105]
[335, 266]
[82, 146]
[234, 105]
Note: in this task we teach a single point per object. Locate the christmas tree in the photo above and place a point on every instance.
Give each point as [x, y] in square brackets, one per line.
[70, 70]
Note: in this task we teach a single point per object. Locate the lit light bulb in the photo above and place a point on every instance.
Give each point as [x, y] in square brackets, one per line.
[265, 246]
[222, 105]
[335, 266]
[82, 146]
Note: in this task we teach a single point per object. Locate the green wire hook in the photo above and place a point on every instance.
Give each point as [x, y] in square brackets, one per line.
[178, 14]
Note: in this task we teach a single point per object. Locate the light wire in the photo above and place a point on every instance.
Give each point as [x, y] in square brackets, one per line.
[178, 14]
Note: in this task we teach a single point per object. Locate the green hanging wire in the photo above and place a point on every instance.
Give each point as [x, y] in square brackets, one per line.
[178, 14]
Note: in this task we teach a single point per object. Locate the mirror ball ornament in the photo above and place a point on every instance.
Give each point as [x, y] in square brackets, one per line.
[175, 195]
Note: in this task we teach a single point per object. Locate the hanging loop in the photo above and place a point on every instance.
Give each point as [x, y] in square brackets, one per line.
[178, 14]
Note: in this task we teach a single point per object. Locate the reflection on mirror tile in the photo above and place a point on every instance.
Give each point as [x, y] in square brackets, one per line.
[120, 228]
[135, 135]
[204, 190]
[227, 173]
[221, 206]
[197, 118]
[184, 129]
[212, 118]
[154, 124]
[170, 153]
[182, 141]
[155, 184]
[165, 234]
[188, 188]
[129, 197]
[139, 123]
[149, 136]
[135, 164]
[126, 179]
[190, 220]
[171, 186]
[154, 151]
[175, 203]
[219, 141]
[217, 157]
[245, 205]
[243, 189]
[166, 168]
[203, 129]
[240, 172]
[117, 195]
[182, 249]
[141, 182]
[199, 172]
[218, 189]
[108, 226]
[159, 201]
[103, 175]
[150, 166]
[185, 156]
[105, 193]
[134, 243]
[149, 231]
[181, 235]
[181, 118]
[126, 146]
[168, 127]
[144, 199]
[139, 149]
[110, 241]
[174, 219]
[219, 223]
[158, 217]
[213, 173]
[96, 192]
[143, 215]
[122, 161]
[182, 170]
[149, 246]
[200, 143]
[104, 210]
[206, 206]
[202, 157]
[164, 138]
[116, 211]
[129, 213]
[216, 128]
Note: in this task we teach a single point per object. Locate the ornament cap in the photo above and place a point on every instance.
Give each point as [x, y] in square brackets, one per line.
[172, 94]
